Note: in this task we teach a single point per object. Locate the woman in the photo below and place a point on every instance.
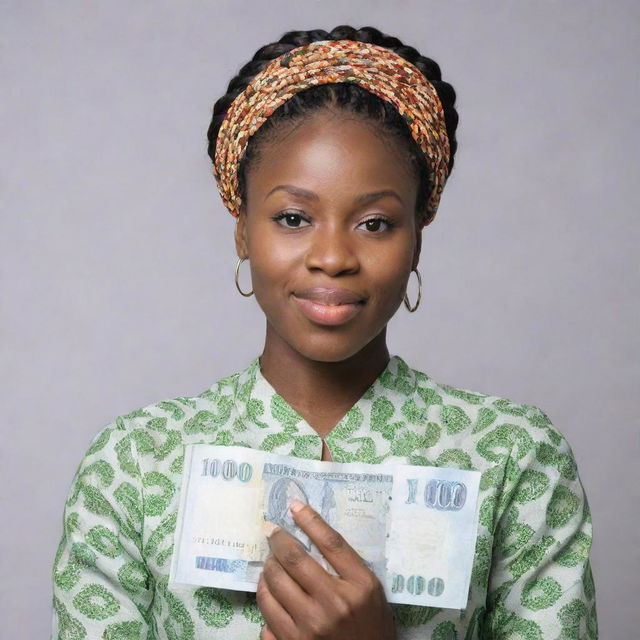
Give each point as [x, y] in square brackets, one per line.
[332, 154]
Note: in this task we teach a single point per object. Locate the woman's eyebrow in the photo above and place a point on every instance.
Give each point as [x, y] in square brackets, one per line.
[310, 195]
[296, 191]
[376, 195]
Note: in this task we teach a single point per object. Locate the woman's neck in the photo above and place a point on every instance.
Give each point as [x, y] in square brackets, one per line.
[321, 392]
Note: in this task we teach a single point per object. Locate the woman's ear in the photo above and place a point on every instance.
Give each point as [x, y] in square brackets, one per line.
[240, 234]
[416, 253]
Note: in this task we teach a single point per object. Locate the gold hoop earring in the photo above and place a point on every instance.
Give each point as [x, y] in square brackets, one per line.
[406, 299]
[246, 295]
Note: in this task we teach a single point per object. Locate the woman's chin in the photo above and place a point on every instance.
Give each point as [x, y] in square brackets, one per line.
[329, 348]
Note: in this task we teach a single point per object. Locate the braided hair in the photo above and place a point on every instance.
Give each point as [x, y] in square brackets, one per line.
[347, 96]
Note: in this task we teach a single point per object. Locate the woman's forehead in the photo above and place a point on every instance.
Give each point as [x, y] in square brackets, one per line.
[337, 151]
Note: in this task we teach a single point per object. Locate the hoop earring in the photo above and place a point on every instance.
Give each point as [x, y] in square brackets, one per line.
[406, 299]
[246, 295]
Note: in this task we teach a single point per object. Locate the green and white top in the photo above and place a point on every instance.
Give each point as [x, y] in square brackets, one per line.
[531, 577]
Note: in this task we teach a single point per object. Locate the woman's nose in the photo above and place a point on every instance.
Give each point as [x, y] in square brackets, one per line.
[332, 250]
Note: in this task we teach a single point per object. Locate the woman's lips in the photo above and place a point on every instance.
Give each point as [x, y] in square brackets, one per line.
[329, 295]
[326, 314]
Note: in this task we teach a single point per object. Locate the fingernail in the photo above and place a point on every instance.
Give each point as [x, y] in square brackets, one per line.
[296, 505]
[270, 528]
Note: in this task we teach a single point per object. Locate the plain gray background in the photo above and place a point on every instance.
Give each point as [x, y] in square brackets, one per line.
[118, 261]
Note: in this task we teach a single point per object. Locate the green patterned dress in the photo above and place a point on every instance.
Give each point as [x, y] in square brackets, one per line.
[531, 577]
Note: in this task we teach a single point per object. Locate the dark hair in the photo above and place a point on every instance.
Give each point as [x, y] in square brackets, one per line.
[347, 96]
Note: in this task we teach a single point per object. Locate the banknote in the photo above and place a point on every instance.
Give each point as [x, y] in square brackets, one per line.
[414, 526]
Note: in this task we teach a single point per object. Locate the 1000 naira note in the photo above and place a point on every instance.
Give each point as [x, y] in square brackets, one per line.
[414, 526]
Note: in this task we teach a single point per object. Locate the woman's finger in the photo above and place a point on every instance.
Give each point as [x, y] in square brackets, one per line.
[300, 568]
[278, 622]
[266, 633]
[338, 552]
[284, 588]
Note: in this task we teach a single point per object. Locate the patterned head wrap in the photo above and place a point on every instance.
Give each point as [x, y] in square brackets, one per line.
[376, 69]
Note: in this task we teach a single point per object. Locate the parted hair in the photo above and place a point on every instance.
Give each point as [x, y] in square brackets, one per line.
[347, 96]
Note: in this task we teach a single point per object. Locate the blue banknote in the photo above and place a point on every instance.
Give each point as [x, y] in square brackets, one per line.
[414, 526]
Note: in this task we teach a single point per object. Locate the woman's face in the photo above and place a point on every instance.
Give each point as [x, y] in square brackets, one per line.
[329, 262]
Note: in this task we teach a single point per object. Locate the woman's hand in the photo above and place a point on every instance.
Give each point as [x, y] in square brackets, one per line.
[301, 601]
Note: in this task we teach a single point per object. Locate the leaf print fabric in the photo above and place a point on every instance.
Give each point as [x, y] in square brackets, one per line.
[531, 577]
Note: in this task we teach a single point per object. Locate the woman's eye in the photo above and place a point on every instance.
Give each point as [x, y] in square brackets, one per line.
[373, 224]
[291, 219]
[294, 220]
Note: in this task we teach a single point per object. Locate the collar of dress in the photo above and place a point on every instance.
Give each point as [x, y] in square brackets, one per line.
[373, 429]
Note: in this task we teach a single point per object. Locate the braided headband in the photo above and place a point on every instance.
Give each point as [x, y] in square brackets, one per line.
[376, 69]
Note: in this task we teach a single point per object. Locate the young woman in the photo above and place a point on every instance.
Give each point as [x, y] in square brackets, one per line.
[331, 149]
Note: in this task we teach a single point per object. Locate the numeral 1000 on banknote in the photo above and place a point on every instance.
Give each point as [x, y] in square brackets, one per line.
[444, 495]
[227, 469]
[416, 585]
